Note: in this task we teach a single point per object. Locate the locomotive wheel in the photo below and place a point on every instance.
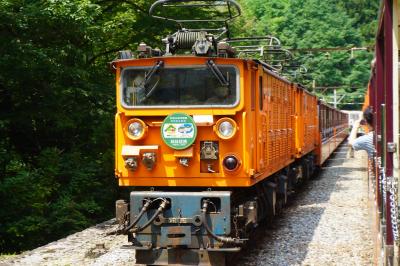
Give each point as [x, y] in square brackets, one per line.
[306, 169]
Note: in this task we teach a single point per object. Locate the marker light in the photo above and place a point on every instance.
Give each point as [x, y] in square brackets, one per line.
[135, 129]
[225, 128]
[231, 163]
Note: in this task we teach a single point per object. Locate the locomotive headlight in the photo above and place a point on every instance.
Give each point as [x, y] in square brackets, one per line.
[225, 128]
[136, 129]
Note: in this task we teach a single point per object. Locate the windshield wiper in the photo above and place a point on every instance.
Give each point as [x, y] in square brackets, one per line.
[217, 73]
[148, 78]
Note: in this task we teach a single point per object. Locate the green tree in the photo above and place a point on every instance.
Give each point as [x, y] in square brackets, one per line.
[57, 111]
[319, 24]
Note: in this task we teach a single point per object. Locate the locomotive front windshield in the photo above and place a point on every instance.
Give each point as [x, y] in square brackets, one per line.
[190, 86]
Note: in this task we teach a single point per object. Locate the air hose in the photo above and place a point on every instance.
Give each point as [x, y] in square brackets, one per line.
[142, 211]
[124, 230]
[228, 240]
[160, 209]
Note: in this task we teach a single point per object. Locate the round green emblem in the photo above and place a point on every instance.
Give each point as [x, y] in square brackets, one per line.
[178, 131]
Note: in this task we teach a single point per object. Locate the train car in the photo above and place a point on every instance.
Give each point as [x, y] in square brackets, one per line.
[383, 97]
[333, 130]
[210, 143]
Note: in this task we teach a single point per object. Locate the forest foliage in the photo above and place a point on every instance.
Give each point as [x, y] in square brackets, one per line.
[321, 24]
[57, 97]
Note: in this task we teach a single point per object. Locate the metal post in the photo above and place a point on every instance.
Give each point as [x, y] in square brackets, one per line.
[378, 100]
[334, 98]
[388, 55]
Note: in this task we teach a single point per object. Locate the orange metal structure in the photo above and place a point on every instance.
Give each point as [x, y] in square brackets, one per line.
[277, 123]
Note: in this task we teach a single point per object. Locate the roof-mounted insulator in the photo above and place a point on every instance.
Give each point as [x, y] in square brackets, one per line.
[225, 50]
[157, 52]
[203, 46]
[126, 54]
[144, 51]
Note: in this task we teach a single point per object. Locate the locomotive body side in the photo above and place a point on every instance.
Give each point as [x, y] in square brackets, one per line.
[276, 116]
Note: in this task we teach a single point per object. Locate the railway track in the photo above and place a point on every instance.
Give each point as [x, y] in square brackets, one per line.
[327, 223]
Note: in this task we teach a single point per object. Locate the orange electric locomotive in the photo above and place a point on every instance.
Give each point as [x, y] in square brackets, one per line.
[211, 141]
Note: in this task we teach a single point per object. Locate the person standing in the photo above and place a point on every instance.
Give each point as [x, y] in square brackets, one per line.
[365, 142]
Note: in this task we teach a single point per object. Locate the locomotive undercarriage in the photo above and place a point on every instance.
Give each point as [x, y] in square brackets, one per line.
[201, 226]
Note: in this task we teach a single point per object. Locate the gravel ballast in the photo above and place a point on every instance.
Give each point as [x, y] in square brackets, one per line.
[328, 223]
